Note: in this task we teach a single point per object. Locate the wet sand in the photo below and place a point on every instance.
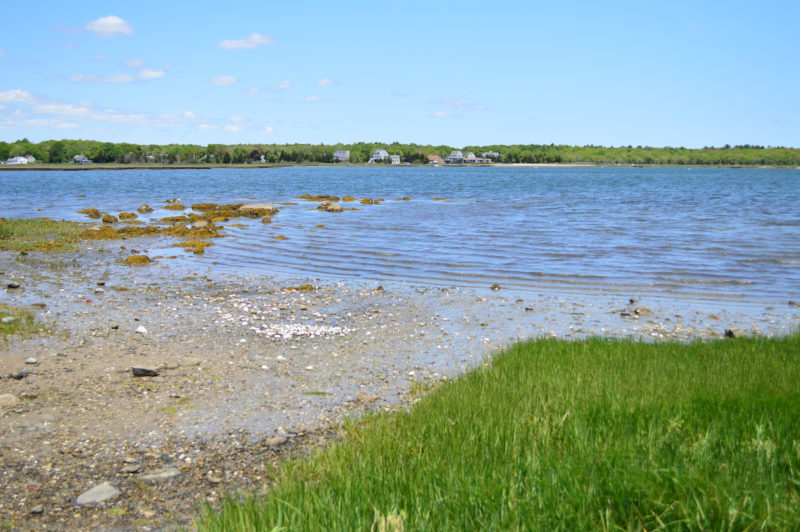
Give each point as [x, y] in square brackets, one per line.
[250, 371]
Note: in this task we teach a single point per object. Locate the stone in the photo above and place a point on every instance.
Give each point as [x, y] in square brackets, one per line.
[12, 284]
[31, 360]
[144, 209]
[131, 469]
[642, 311]
[335, 207]
[100, 493]
[160, 475]
[276, 441]
[733, 333]
[8, 400]
[21, 374]
[144, 372]
[37, 510]
[495, 287]
[8, 320]
[141, 329]
[201, 223]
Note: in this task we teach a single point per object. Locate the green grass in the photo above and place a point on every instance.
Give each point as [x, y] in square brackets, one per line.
[39, 234]
[556, 435]
[24, 325]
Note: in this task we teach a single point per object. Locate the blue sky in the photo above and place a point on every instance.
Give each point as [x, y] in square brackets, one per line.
[611, 73]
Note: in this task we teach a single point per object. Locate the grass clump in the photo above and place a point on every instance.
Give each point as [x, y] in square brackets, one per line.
[556, 435]
[39, 234]
[24, 324]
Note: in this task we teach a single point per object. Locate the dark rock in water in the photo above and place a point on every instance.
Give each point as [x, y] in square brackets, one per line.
[12, 284]
[733, 333]
[495, 287]
[144, 372]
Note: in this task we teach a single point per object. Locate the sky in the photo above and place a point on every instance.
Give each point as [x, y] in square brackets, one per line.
[693, 74]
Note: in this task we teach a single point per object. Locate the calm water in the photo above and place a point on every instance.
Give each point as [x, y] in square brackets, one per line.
[730, 233]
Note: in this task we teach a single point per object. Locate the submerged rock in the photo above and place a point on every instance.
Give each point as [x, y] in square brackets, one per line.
[91, 213]
[145, 208]
[128, 216]
[110, 219]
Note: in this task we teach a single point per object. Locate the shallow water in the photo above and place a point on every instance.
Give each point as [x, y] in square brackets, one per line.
[700, 233]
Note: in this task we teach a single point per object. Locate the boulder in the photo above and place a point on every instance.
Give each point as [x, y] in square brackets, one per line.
[334, 207]
[100, 493]
[8, 400]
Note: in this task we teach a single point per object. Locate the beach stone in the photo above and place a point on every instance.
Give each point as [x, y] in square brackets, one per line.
[8, 400]
[495, 287]
[276, 441]
[145, 208]
[37, 510]
[7, 320]
[144, 372]
[31, 360]
[160, 475]
[100, 493]
[21, 374]
[335, 207]
[199, 224]
[642, 311]
[141, 329]
[109, 219]
[131, 469]
[12, 284]
[733, 333]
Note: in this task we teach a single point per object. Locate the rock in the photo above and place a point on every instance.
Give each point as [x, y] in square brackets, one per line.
[334, 207]
[8, 320]
[12, 284]
[8, 400]
[199, 224]
[109, 219]
[37, 510]
[21, 374]
[100, 493]
[144, 209]
[31, 360]
[99, 291]
[733, 333]
[131, 469]
[495, 287]
[276, 441]
[213, 478]
[141, 329]
[642, 311]
[160, 475]
[173, 201]
[144, 372]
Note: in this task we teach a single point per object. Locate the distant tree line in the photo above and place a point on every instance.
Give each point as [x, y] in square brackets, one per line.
[61, 151]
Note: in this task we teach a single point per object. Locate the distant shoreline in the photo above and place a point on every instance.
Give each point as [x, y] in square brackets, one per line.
[69, 167]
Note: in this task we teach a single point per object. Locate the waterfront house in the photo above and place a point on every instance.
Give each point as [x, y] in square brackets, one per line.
[455, 157]
[490, 155]
[16, 160]
[395, 159]
[435, 160]
[379, 155]
[341, 156]
[81, 159]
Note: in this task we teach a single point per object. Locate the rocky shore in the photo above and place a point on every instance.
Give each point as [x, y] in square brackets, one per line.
[159, 389]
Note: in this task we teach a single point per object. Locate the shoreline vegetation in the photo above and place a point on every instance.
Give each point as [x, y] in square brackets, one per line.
[576, 435]
[59, 154]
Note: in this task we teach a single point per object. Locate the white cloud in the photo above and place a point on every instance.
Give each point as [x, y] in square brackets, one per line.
[316, 99]
[251, 41]
[285, 84]
[63, 109]
[253, 90]
[326, 82]
[116, 78]
[109, 26]
[207, 127]
[149, 73]
[231, 127]
[269, 129]
[190, 115]
[17, 96]
[442, 114]
[134, 64]
[223, 81]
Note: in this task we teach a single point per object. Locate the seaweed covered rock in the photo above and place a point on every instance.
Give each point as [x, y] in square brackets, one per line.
[128, 216]
[91, 213]
[257, 210]
[175, 207]
[99, 232]
[145, 208]
[136, 259]
[334, 207]
[110, 219]
[318, 197]
[370, 201]
[194, 246]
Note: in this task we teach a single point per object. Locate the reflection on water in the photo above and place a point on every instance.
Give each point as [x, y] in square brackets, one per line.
[718, 231]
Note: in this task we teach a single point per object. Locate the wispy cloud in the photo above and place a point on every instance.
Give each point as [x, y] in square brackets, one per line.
[109, 26]
[327, 82]
[223, 81]
[134, 64]
[232, 127]
[285, 84]
[251, 41]
[144, 74]
[17, 96]
[207, 127]
[150, 73]
[442, 114]
[316, 98]
[269, 129]
[252, 90]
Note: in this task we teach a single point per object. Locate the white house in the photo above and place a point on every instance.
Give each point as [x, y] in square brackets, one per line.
[341, 156]
[455, 157]
[395, 159]
[81, 159]
[16, 160]
[379, 155]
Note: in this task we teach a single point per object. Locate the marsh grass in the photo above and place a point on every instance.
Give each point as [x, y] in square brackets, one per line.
[39, 234]
[23, 326]
[557, 435]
